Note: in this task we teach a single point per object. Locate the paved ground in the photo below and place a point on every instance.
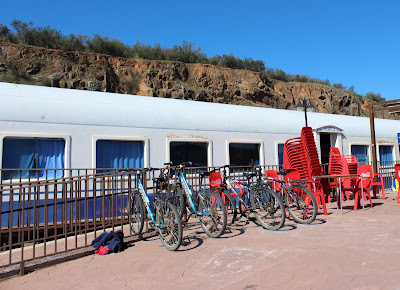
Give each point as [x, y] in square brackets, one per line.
[354, 250]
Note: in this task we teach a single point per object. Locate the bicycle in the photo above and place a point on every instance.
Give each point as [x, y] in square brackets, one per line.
[205, 204]
[256, 198]
[298, 199]
[164, 216]
[216, 183]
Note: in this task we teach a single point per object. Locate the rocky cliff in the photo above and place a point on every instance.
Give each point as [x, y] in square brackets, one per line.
[200, 82]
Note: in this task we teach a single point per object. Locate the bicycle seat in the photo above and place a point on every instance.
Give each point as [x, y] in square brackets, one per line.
[285, 171]
[189, 163]
[159, 179]
[204, 173]
[249, 175]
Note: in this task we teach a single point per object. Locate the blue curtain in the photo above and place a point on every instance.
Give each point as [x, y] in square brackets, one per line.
[280, 154]
[50, 154]
[18, 154]
[361, 153]
[119, 154]
[386, 154]
[25, 153]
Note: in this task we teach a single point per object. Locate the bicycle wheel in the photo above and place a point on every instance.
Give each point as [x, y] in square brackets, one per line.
[301, 204]
[169, 226]
[268, 207]
[137, 213]
[178, 199]
[230, 207]
[212, 214]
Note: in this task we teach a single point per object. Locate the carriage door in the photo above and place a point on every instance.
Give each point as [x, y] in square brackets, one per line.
[325, 145]
[325, 138]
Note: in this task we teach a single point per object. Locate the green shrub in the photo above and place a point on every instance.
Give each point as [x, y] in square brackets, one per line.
[339, 86]
[74, 42]
[104, 45]
[374, 97]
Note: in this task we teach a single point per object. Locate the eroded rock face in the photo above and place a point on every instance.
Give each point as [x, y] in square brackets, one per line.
[326, 99]
[200, 82]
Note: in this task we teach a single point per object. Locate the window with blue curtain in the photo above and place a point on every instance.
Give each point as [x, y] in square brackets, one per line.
[386, 155]
[280, 154]
[361, 153]
[33, 153]
[119, 154]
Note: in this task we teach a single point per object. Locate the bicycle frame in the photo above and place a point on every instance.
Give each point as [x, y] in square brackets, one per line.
[187, 190]
[230, 186]
[189, 194]
[146, 200]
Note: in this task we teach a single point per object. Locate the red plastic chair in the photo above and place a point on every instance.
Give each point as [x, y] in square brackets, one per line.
[366, 173]
[368, 168]
[215, 180]
[397, 174]
[274, 174]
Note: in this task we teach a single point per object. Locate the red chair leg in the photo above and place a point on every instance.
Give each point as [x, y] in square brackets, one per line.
[324, 205]
[370, 200]
[356, 200]
[356, 203]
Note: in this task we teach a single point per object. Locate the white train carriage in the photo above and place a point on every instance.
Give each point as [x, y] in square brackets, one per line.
[43, 127]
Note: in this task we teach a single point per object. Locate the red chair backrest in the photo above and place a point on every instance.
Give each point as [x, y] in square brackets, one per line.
[215, 180]
[365, 171]
[292, 175]
[274, 174]
[397, 171]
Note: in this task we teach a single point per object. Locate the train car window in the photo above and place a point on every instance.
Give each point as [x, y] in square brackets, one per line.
[33, 153]
[119, 154]
[361, 153]
[386, 155]
[243, 154]
[195, 152]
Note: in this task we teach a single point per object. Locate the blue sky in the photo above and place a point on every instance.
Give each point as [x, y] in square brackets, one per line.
[355, 43]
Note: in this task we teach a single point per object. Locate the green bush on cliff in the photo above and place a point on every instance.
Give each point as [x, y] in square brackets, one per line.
[374, 97]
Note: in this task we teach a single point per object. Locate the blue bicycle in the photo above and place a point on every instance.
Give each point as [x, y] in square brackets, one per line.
[164, 216]
[206, 204]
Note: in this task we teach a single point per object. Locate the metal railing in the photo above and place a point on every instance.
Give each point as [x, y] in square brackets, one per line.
[42, 216]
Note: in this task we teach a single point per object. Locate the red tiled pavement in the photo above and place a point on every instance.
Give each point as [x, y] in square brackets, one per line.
[355, 250]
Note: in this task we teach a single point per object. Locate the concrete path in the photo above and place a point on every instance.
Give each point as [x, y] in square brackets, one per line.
[356, 250]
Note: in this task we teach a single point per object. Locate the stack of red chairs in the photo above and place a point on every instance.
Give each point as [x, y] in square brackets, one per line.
[348, 164]
[300, 153]
[307, 138]
[338, 165]
[294, 156]
[352, 163]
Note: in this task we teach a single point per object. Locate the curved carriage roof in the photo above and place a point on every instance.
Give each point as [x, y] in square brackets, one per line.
[25, 103]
